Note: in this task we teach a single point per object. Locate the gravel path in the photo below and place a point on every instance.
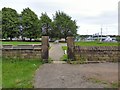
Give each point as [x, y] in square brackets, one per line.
[58, 75]
[56, 52]
[75, 76]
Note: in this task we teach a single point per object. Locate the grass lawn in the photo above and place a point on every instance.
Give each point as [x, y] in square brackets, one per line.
[64, 47]
[96, 43]
[18, 42]
[76, 43]
[93, 44]
[64, 57]
[18, 73]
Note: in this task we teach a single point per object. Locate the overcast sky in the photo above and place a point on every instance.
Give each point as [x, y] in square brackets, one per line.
[90, 15]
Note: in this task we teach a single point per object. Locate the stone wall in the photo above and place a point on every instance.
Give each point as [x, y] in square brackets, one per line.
[97, 53]
[22, 51]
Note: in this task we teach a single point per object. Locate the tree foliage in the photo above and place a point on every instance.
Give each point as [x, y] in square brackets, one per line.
[10, 23]
[0, 24]
[46, 23]
[118, 38]
[30, 24]
[64, 25]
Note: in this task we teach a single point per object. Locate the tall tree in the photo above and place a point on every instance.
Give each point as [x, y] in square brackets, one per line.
[0, 24]
[30, 24]
[64, 25]
[10, 23]
[46, 24]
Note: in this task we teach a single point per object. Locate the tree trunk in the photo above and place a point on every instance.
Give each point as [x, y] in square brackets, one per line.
[30, 39]
[10, 38]
[65, 38]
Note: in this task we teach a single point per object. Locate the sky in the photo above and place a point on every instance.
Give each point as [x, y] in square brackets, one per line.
[91, 15]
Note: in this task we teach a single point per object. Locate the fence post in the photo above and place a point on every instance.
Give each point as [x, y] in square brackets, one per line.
[70, 48]
[45, 48]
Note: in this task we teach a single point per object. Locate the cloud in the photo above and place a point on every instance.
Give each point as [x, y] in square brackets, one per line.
[88, 13]
[110, 17]
[108, 29]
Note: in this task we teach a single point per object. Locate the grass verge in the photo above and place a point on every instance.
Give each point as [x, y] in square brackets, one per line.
[64, 47]
[18, 43]
[18, 73]
[96, 43]
[64, 57]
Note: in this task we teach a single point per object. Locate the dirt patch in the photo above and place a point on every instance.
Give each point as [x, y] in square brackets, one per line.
[75, 76]
[102, 71]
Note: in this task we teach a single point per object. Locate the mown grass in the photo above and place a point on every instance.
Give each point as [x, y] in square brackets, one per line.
[64, 57]
[96, 43]
[64, 47]
[18, 42]
[18, 73]
[93, 44]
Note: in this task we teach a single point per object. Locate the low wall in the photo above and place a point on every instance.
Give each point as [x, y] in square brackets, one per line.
[22, 51]
[97, 53]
